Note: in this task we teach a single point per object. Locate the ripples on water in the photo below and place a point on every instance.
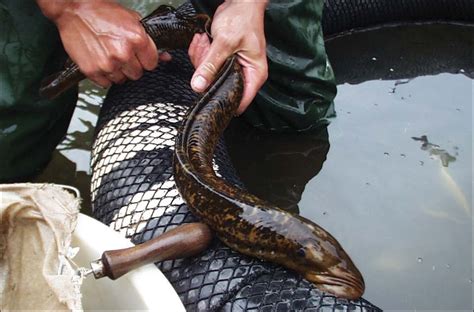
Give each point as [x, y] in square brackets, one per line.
[396, 187]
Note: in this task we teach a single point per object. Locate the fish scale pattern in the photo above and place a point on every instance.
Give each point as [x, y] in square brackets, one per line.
[133, 191]
[344, 15]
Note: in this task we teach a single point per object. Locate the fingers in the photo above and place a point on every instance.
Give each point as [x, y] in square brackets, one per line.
[122, 63]
[215, 57]
[132, 69]
[101, 81]
[209, 58]
[147, 53]
[198, 49]
[165, 57]
[116, 77]
[253, 80]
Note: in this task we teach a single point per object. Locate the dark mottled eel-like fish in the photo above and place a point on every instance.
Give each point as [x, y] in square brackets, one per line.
[241, 220]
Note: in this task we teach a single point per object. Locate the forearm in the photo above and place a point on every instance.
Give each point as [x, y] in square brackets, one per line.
[53, 9]
[106, 40]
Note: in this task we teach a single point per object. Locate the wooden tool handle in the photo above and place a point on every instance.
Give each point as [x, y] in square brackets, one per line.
[183, 241]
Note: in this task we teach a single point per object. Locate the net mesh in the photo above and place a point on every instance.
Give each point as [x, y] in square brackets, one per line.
[133, 188]
[344, 15]
[133, 191]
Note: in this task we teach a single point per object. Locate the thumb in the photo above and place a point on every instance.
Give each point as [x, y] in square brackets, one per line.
[207, 71]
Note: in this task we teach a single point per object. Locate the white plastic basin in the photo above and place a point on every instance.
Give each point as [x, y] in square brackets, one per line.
[145, 288]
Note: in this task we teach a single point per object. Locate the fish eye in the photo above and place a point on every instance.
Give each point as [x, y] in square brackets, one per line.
[301, 253]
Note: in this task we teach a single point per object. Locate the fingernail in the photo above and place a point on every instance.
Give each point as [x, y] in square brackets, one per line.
[166, 55]
[199, 83]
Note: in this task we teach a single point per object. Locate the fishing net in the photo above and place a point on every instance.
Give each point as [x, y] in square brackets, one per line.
[36, 225]
[133, 191]
[343, 15]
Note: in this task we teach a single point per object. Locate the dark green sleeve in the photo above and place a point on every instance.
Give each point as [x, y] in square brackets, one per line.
[30, 127]
[299, 92]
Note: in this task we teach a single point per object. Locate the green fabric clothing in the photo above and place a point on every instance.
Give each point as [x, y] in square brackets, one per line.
[300, 89]
[297, 96]
[30, 127]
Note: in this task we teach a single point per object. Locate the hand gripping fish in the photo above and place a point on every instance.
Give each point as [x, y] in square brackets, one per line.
[241, 220]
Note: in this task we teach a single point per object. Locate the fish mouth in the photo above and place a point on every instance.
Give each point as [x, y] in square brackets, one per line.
[348, 286]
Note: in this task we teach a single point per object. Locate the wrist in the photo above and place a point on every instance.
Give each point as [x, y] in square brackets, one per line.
[56, 9]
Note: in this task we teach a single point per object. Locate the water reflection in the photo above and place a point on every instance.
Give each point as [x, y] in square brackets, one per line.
[82, 127]
[276, 166]
[399, 209]
[435, 150]
[70, 162]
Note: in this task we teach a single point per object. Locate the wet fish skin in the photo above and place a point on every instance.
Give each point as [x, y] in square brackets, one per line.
[243, 221]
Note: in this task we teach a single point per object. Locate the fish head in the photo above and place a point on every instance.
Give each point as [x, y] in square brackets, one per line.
[327, 265]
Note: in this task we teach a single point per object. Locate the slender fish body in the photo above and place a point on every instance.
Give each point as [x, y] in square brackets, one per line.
[241, 220]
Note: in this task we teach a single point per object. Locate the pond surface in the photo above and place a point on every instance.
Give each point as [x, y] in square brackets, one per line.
[391, 177]
[401, 163]
[398, 181]
[394, 168]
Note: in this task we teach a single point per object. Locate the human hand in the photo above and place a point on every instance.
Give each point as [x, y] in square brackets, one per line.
[237, 28]
[104, 39]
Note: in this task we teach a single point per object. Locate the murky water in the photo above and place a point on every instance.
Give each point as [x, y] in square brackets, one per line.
[401, 160]
[398, 181]
[395, 184]
[392, 200]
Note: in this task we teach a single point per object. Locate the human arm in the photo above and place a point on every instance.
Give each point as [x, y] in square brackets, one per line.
[237, 28]
[103, 38]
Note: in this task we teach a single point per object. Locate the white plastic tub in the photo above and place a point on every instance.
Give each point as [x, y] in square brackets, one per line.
[145, 288]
